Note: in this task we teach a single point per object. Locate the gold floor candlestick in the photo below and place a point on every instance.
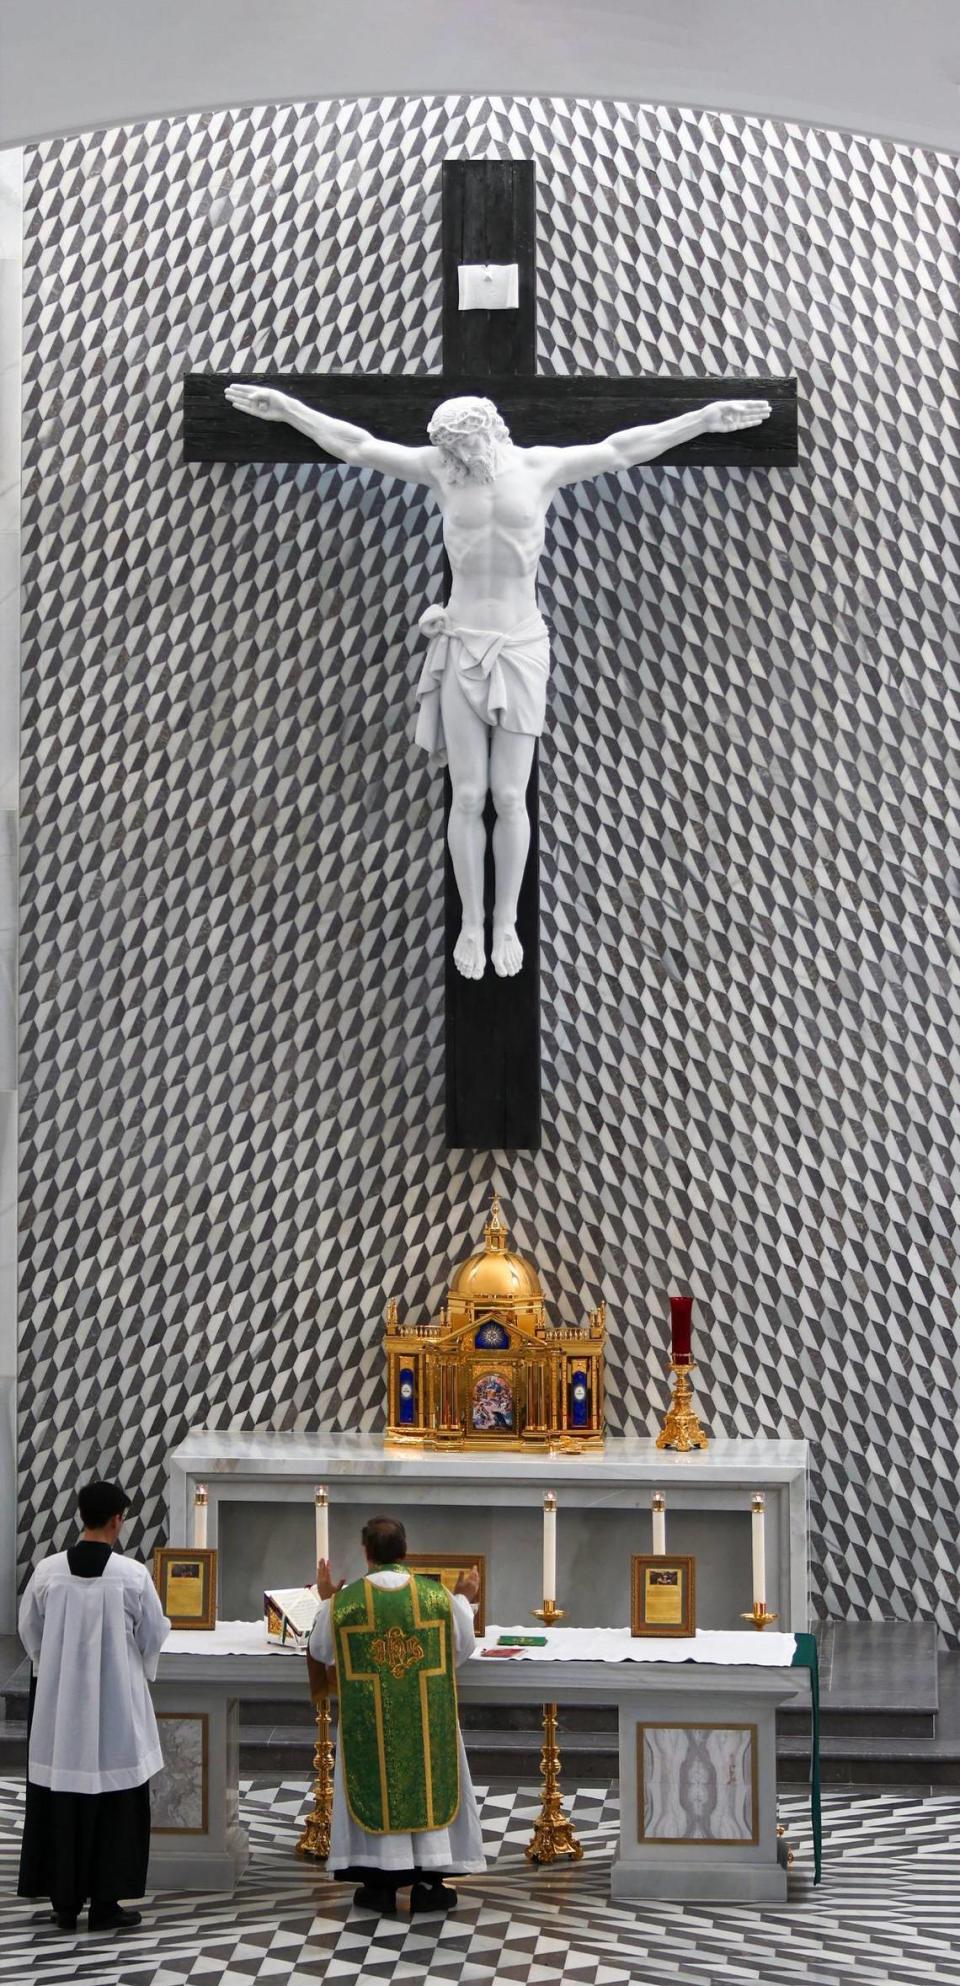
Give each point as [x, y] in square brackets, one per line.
[315, 1839]
[553, 1834]
[681, 1429]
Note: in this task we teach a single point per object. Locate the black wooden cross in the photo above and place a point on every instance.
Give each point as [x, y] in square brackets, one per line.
[489, 215]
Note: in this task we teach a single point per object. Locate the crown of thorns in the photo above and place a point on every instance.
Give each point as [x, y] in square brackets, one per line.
[479, 417]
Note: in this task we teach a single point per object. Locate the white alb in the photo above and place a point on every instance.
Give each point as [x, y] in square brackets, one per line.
[94, 1644]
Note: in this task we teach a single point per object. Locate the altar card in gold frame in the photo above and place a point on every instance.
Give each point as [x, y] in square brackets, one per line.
[446, 1568]
[186, 1580]
[663, 1594]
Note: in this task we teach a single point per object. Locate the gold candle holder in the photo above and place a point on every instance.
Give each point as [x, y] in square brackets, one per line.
[681, 1429]
[759, 1616]
[549, 1613]
[315, 1839]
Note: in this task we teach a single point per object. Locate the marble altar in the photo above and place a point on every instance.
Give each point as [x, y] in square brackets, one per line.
[710, 1837]
[260, 1516]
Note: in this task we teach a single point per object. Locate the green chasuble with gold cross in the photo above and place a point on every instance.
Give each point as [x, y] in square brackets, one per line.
[398, 1704]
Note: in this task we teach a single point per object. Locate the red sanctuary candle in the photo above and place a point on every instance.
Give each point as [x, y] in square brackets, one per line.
[680, 1308]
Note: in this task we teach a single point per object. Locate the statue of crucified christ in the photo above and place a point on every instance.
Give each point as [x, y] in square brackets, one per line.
[482, 694]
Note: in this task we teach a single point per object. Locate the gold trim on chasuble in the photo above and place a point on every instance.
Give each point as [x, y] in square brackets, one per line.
[398, 1705]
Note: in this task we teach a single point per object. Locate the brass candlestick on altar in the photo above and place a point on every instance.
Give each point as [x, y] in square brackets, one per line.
[681, 1429]
[758, 1613]
[549, 1613]
[553, 1833]
[315, 1839]
[758, 1616]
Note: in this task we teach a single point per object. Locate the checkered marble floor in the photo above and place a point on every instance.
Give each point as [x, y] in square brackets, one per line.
[887, 1913]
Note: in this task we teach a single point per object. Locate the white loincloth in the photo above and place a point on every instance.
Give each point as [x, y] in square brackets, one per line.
[502, 673]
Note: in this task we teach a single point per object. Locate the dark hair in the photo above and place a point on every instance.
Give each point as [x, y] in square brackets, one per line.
[384, 1540]
[98, 1502]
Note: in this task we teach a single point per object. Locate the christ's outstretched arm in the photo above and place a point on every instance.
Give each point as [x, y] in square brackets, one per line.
[339, 438]
[631, 446]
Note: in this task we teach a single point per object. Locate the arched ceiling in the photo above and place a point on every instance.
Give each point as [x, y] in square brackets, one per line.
[887, 67]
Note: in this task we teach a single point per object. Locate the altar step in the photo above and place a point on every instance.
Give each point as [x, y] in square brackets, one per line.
[890, 1716]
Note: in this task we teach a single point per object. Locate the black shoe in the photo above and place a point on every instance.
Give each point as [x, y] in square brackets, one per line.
[110, 1917]
[63, 1919]
[371, 1897]
[432, 1896]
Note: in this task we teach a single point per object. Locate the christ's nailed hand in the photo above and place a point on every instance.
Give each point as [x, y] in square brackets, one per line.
[727, 416]
[469, 1584]
[263, 401]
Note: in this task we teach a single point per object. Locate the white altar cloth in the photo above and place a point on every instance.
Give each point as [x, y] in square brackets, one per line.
[563, 1644]
[227, 1638]
[617, 1644]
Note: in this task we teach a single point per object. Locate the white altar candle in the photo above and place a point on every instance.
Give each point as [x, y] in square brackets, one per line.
[759, 1553]
[200, 1518]
[550, 1546]
[321, 1505]
[659, 1509]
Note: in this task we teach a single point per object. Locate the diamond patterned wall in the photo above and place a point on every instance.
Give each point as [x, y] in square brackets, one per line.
[231, 982]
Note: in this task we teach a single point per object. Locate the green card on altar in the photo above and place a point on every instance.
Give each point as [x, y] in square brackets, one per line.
[522, 1641]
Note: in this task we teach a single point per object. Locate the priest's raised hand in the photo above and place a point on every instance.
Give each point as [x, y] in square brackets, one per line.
[325, 1585]
[469, 1584]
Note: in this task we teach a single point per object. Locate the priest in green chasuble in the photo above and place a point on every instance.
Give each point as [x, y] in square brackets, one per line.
[404, 1810]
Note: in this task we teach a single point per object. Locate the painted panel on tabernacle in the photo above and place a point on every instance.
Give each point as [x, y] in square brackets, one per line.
[697, 1783]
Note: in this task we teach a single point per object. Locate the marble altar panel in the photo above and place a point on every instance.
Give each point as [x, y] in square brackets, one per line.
[698, 1790]
[196, 1838]
[178, 1795]
[697, 1782]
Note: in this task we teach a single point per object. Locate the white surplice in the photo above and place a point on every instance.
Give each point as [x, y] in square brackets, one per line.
[94, 1644]
[456, 1850]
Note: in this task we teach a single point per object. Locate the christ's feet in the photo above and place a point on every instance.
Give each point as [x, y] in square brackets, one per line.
[507, 953]
[468, 953]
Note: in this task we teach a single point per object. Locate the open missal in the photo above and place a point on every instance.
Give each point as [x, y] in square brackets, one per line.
[290, 1613]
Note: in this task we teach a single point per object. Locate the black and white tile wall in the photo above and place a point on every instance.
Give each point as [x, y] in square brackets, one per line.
[231, 1060]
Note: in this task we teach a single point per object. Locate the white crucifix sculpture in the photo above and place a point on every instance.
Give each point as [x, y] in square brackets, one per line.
[482, 693]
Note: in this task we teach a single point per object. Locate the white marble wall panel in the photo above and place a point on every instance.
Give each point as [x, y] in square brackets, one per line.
[697, 1783]
[11, 229]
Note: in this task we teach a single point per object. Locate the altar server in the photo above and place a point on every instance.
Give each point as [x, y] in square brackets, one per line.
[404, 1809]
[93, 1627]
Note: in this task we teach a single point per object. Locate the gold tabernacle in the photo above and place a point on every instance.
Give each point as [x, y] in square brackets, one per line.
[491, 1371]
